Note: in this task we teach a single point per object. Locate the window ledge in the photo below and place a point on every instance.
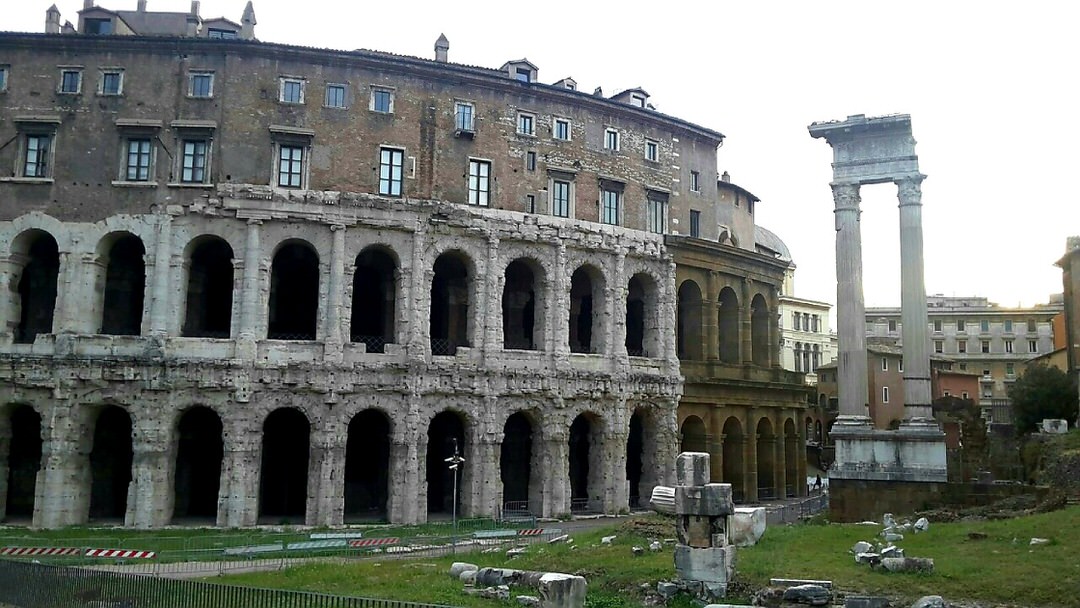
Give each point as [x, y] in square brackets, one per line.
[186, 185]
[200, 97]
[126, 184]
[27, 180]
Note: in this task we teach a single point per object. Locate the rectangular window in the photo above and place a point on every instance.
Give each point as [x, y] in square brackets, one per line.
[652, 150]
[193, 163]
[611, 139]
[463, 117]
[884, 364]
[657, 211]
[137, 165]
[609, 207]
[796, 321]
[112, 82]
[3, 78]
[560, 129]
[291, 90]
[900, 365]
[892, 325]
[530, 203]
[218, 34]
[530, 161]
[391, 161]
[695, 223]
[985, 346]
[961, 346]
[939, 346]
[963, 367]
[984, 325]
[335, 95]
[526, 124]
[986, 373]
[965, 395]
[1033, 346]
[479, 182]
[1008, 346]
[290, 166]
[560, 198]
[695, 181]
[1031, 326]
[637, 100]
[1008, 326]
[382, 100]
[36, 158]
[522, 74]
[201, 85]
[70, 81]
[961, 326]
[937, 325]
[884, 394]
[98, 27]
[1010, 369]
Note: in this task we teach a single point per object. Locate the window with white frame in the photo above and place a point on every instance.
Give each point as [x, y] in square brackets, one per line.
[961, 325]
[220, 34]
[1033, 346]
[70, 81]
[637, 100]
[1031, 326]
[464, 119]
[479, 182]
[656, 209]
[194, 156]
[530, 203]
[610, 200]
[1008, 346]
[291, 90]
[112, 82]
[4, 71]
[335, 95]
[796, 320]
[290, 166]
[1008, 326]
[530, 161]
[1010, 370]
[37, 155]
[884, 394]
[937, 325]
[382, 100]
[695, 181]
[985, 346]
[961, 346]
[695, 223]
[560, 129]
[391, 161]
[562, 196]
[526, 123]
[939, 346]
[611, 140]
[884, 364]
[900, 365]
[201, 85]
[138, 159]
[652, 150]
[984, 325]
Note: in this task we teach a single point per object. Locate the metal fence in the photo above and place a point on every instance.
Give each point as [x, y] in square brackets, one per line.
[30, 585]
[791, 512]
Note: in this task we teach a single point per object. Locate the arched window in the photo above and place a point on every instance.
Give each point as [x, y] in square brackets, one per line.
[450, 299]
[208, 312]
[374, 299]
[294, 292]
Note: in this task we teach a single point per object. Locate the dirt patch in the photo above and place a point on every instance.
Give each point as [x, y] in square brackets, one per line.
[652, 527]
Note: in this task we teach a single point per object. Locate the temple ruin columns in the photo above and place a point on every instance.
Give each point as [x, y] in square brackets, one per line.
[850, 307]
[914, 330]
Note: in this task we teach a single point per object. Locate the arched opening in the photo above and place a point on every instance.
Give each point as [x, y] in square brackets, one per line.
[823, 401]
[208, 311]
[374, 299]
[586, 465]
[23, 460]
[694, 436]
[688, 330]
[586, 310]
[199, 450]
[294, 292]
[641, 460]
[110, 464]
[641, 317]
[759, 332]
[367, 466]
[446, 436]
[727, 319]
[766, 461]
[36, 284]
[283, 476]
[733, 457]
[125, 284]
[515, 462]
[450, 299]
[791, 458]
[522, 316]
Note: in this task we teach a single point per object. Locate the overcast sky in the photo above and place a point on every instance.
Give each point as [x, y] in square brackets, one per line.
[991, 88]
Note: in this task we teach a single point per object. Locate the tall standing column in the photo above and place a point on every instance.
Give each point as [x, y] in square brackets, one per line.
[915, 333]
[335, 293]
[850, 307]
[159, 307]
[249, 296]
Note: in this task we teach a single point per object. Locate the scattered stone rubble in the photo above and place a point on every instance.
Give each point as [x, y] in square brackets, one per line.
[555, 589]
[889, 556]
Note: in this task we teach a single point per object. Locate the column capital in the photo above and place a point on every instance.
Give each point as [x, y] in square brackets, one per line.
[909, 189]
[846, 196]
[337, 227]
[254, 222]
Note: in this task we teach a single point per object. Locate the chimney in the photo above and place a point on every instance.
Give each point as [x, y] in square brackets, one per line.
[52, 20]
[598, 92]
[68, 28]
[194, 6]
[442, 45]
[141, 6]
[87, 4]
[725, 177]
[247, 22]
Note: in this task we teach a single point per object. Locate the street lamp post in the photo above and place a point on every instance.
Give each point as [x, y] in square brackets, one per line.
[454, 462]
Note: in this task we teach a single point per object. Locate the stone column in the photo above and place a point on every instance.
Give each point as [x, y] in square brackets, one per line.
[915, 333]
[559, 291]
[406, 502]
[85, 314]
[775, 359]
[62, 495]
[750, 480]
[746, 323]
[480, 482]
[332, 337]
[617, 306]
[780, 464]
[710, 318]
[492, 320]
[415, 311]
[10, 269]
[850, 309]
[556, 473]
[614, 437]
[238, 501]
[249, 294]
[326, 478]
[159, 304]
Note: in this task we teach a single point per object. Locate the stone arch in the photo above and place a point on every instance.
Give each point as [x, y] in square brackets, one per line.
[452, 294]
[20, 460]
[209, 288]
[642, 460]
[524, 305]
[689, 329]
[283, 476]
[791, 458]
[766, 460]
[759, 330]
[111, 457]
[200, 449]
[587, 307]
[734, 441]
[36, 267]
[294, 292]
[374, 298]
[642, 316]
[520, 464]
[367, 466]
[694, 435]
[586, 463]
[122, 254]
[727, 321]
[446, 433]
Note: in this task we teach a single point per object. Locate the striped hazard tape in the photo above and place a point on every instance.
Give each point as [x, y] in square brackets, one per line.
[531, 532]
[28, 551]
[373, 542]
[121, 553]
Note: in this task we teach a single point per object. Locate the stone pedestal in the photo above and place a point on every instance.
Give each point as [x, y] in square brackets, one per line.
[702, 520]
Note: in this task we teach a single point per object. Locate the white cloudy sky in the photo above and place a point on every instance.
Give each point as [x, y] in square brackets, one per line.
[991, 87]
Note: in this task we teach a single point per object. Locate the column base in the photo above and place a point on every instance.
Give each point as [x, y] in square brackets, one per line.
[915, 453]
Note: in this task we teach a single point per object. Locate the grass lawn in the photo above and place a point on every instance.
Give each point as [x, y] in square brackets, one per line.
[1001, 568]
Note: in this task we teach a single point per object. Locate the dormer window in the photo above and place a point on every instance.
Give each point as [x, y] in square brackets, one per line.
[98, 27]
[521, 70]
[219, 34]
[637, 100]
[523, 74]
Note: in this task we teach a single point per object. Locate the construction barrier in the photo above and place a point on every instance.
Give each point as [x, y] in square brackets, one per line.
[32, 551]
[373, 542]
[121, 553]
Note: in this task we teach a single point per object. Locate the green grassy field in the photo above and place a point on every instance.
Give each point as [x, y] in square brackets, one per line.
[1000, 569]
